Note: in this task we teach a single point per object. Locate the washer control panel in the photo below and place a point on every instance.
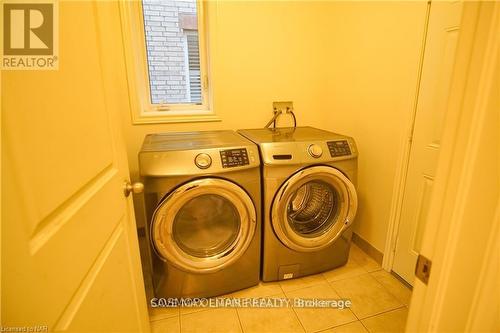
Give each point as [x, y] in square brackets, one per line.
[339, 148]
[234, 157]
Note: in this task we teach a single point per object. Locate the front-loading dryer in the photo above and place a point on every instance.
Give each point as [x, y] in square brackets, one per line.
[202, 203]
[309, 199]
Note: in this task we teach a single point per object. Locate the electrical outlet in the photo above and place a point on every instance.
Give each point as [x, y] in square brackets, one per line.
[282, 107]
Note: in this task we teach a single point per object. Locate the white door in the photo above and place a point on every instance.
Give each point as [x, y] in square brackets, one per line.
[463, 234]
[439, 57]
[70, 257]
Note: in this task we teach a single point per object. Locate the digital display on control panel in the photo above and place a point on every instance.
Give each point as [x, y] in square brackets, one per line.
[339, 148]
[234, 157]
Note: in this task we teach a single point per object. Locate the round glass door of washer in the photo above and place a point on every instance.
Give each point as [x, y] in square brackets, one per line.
[204, 225]
[313, 207]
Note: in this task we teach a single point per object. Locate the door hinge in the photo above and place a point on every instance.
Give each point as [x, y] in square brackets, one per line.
[423, 268]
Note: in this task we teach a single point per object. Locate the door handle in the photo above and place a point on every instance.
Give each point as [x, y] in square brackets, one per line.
[136, 188]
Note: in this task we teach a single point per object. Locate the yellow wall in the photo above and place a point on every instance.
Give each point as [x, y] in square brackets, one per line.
[260, 52]
[375, 50]
[348, 67]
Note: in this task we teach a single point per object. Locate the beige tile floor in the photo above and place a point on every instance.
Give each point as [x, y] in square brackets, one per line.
[379, 304]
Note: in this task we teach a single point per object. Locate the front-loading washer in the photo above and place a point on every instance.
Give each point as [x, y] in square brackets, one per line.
[309, 199]
[202, 204]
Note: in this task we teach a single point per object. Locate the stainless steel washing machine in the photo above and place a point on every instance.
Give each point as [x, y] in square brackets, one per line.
[202, 201]
[309, 199]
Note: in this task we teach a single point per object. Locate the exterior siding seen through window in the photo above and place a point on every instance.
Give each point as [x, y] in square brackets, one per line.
[173, 60]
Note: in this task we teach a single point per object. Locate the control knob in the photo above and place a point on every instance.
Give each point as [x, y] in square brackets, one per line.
[315, 150]
[203, 161]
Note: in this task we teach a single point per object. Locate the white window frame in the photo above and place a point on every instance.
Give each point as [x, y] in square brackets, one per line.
[143, 111]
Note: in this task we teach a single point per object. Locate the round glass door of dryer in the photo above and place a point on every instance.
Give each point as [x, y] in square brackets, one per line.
[204, 225]
[313, 207]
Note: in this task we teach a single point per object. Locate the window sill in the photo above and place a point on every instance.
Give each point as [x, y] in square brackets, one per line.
[162, 117]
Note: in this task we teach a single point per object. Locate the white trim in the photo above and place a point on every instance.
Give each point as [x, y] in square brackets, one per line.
[179, 117]
[403, 164]
[142, 111]
[483, 308]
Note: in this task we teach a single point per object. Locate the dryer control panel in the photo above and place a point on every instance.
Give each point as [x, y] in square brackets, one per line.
[339, 148]
[234, 157]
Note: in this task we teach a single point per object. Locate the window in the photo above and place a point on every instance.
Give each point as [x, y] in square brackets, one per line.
[165, 44]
